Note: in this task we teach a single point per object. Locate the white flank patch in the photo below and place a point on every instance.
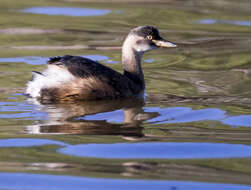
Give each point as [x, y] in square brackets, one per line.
[53, 76]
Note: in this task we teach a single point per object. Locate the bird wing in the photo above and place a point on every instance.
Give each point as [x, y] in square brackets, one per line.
[83, 68]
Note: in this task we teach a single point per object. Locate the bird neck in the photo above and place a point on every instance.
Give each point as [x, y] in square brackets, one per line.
[131, 60]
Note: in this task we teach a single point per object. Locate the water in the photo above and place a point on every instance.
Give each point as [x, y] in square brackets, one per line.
[15, 142]
[67, 11]
[39, 181]
[242, 120]
[234, 22]
[192, 130]
[158, 150]
[178, 115]
[149, 60]
[36, 60]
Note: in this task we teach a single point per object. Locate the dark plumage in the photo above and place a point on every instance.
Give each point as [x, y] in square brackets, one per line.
[83, 69]
[78, 78]
[149, 30]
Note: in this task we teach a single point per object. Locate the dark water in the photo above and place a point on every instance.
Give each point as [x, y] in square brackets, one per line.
[191, 131]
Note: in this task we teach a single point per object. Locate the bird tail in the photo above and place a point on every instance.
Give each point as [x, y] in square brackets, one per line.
[36, 75]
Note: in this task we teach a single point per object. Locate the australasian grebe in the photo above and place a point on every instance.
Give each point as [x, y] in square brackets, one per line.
[77, 78]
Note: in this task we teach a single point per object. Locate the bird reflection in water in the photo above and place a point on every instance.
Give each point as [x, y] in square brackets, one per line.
[64, 118]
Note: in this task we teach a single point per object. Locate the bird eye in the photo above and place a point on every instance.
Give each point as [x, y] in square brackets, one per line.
[149, 37]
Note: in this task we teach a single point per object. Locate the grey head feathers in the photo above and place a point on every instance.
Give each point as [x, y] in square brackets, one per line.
[145, 31]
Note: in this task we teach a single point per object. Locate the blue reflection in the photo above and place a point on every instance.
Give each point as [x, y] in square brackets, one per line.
[242, 120]
[32, 60]
[15, 107]
[67, 11]
[109, 61]
[26, 116]
[149, 60]
[37, 60]
[200, 115]
[27, 142]
[24, 111]
[29, 111]
[207, 21]
[59, 182]
[237, 22]
[178, 115]
[7, 103]
[114, 116]
[96, 57]
[242, 23]
[185, 114]
[158, 150]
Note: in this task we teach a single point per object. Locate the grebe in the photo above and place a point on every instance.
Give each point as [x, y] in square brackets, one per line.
[77, 78]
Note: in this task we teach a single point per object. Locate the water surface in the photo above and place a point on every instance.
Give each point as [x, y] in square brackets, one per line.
[42, 181]
[193, 125]
[36, 60]
[67, 11]
[177, 115]
[23, 142]
[159, 150]
[234, 22]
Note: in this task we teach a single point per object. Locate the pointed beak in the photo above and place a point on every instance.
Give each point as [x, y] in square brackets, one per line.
[163, 43]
